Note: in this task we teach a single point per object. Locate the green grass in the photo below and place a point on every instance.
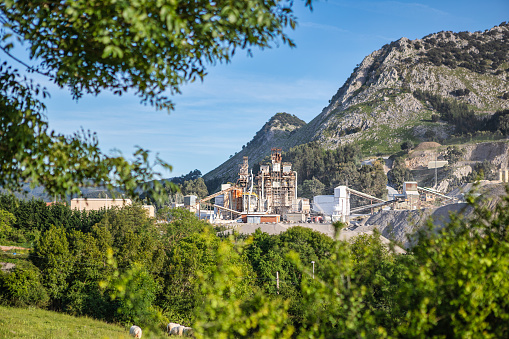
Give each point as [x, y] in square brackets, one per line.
[37, 323]
[385, 143]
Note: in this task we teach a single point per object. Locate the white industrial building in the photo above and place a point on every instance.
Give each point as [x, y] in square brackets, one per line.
[336, 206]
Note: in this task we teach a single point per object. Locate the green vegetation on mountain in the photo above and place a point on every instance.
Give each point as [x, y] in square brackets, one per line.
[464, 119]
[334, 167]
[457, 114]
[475, 54]
[445, 87]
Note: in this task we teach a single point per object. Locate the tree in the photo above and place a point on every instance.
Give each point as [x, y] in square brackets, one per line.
[231, 308]
[407, 145]
[195, 187]
[6, 221]
[454, 154]
[52, 256]
[312, 187]
[181, 223]
[333, 303]
[504, 124]
[399, 174]
[382, 272]
[458, 288]
[147, 47]
[22, 286]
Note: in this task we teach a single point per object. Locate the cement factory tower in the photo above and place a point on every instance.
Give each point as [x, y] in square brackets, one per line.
[277, 188]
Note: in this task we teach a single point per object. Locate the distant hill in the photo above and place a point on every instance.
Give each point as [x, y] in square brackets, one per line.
[277, 132]
[398, 93]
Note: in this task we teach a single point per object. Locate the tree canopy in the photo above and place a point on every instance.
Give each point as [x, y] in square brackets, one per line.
[148, 47]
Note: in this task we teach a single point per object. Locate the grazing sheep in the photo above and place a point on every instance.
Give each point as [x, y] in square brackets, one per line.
[188, 332]
[171, 326]
[135, 331]
[179, 330]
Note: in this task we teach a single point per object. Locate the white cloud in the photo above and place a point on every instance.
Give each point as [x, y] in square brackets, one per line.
[309, 24]
[397, 8]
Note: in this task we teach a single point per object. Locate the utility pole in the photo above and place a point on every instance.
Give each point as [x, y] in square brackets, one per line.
[313, 262]
[436, 171]
[277, 281]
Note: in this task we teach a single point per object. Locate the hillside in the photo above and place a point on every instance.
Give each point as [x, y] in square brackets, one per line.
[377, 106]
[382, 103]
[38, 323]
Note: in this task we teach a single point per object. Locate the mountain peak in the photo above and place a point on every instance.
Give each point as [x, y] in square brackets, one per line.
[393, 96]
[277, 132]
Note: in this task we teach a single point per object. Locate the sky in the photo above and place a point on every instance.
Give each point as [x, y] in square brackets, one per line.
[214, 118]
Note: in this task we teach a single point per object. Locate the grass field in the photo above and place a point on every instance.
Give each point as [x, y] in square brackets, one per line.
[37, 323]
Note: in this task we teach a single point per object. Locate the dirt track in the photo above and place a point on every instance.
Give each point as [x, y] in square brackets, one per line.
[8, 248]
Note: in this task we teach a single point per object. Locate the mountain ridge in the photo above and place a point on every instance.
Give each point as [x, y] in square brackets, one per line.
[377, 107]
[274, 133]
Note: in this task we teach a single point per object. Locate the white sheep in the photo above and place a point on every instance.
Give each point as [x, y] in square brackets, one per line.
[171, 326]
[179, 330]
[135, 331]
[188, 332]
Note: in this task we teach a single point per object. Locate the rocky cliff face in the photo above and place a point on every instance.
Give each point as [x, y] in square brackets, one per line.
[376, 104]
[376, 107]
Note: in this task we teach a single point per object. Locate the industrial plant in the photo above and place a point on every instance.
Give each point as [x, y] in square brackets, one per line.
[270, 196]
[267, 196]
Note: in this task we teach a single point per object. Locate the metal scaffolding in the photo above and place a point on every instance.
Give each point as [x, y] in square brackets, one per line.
[273, 190]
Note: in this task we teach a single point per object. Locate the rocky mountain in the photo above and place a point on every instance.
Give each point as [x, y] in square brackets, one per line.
[377, 105]
[386, 100]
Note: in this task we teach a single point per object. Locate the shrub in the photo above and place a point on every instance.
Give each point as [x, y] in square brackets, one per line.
[22, 286]
[407, 145]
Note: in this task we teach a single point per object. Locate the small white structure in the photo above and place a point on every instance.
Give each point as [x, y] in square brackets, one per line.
[503, 175]
[412, 196]
[341, 204]
[323, 204]
[337, 206]
[437, 164]
[410, 188]
[301, 205]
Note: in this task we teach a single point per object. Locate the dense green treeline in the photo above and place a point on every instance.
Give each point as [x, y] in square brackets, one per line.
[340, 166]
[129, 269]
[35, 216]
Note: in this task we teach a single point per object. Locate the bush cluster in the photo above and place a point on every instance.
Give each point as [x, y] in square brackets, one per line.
[339, 166]
[478, 55]
[464, 119]
[297, 284]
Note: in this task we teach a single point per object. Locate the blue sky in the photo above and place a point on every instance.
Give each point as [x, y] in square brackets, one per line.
[213, 119]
